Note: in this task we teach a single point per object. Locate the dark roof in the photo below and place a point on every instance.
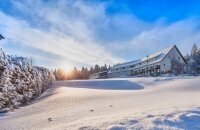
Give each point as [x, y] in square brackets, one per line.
[1, 37]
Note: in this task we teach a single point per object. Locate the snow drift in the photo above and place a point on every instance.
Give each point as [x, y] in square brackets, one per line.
[20, 82]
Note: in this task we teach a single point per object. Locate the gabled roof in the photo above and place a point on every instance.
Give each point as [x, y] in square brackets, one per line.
[180, 54]
[160, 55]
[126, 64]
[1, 37]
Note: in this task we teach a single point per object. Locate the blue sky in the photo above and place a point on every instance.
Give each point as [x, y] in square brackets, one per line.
[152, 10]
[69, 33]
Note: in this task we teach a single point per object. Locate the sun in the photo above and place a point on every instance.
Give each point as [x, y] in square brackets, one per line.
[67, 69]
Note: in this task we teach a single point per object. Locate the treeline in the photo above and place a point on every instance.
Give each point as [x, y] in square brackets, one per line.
[193, 60]
[83, 73]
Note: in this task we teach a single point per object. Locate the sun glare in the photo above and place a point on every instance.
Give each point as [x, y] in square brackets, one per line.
[67, 70]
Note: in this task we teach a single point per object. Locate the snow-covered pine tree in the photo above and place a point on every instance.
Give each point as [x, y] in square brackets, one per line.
[194, 61]
[194, 51]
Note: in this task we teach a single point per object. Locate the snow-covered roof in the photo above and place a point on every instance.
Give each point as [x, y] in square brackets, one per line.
[158, 57]
[126, 64]
[161, 54]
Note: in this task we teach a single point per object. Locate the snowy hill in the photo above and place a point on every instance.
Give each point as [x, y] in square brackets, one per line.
[170, 103]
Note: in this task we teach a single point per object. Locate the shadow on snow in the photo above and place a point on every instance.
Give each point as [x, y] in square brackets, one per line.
[101, 84]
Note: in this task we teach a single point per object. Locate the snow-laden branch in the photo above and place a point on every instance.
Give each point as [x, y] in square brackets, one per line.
[20, 82]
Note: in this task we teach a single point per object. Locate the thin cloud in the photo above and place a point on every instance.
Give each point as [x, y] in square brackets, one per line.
[76, 33]
[70, 39]
[183, 33]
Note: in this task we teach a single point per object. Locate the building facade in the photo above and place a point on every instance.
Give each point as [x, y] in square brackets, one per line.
[100, 75]
[169, 60]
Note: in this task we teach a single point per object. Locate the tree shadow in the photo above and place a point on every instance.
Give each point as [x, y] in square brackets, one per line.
[3, 113]
[47, 93]
[101, 84]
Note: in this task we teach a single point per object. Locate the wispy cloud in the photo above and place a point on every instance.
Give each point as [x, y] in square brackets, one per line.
[68, 37]
[182, 33]
[75, 33]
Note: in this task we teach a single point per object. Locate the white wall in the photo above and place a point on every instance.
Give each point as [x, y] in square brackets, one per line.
[166, 62]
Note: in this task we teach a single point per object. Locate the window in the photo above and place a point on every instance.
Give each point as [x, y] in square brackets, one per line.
[132, 66]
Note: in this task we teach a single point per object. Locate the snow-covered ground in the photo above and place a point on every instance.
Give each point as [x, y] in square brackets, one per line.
[125, 103]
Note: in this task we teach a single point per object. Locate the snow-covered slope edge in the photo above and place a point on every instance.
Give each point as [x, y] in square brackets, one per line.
[20, 82]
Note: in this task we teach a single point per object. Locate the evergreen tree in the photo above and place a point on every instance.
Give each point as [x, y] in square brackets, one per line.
[194, 51]
[75, 73]
[96, 68]
[105, 67]
[91, 70]
[83, 73]
[194, 60]
[109, 67]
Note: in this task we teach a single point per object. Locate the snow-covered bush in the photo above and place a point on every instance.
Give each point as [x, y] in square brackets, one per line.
[20, 82]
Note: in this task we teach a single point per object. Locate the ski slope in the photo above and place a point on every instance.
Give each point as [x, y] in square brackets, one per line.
[126, 103]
